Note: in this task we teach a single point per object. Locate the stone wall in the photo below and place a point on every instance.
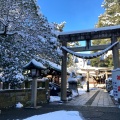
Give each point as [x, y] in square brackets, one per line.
[9, 98]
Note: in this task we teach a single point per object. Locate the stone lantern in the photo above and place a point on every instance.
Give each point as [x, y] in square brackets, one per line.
[35, 70]
[73, 80]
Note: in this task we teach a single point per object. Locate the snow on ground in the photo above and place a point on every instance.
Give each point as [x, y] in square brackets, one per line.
[19, 105]
[62, 114]
[74, 93]
[54, 98]
[81, 91]
[57, 115]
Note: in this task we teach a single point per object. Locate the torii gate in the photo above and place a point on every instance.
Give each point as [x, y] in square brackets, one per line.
[112, 32]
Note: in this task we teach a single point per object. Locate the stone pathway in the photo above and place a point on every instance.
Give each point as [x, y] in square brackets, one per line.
[103, 99]
[98, 97]
[81, 100]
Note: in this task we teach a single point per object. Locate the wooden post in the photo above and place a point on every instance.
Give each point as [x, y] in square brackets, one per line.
[106, 74]
[88, 43]
[88, 81]
[1, 85]
[115, 52]
[64, 75]
[47, 85]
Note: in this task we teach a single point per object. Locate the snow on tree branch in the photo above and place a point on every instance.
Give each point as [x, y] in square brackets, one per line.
[27, 35]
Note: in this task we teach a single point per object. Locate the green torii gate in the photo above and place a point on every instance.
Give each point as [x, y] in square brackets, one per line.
[112, 32]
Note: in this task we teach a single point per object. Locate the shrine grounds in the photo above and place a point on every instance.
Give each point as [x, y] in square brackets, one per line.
[94, 108]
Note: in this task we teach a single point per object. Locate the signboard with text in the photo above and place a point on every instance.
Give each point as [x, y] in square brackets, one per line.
[116, 82]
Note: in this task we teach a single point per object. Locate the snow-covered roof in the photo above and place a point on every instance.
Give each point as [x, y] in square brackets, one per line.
[33, 63]
[91, 30]
[54, 66]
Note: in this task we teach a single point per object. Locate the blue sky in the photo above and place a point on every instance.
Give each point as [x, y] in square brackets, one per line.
[78, 14]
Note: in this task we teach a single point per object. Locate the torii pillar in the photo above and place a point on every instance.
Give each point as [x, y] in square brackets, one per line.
[64, 74]
[115, 51]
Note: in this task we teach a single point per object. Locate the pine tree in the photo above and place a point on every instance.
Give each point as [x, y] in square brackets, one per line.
[110, 17]
[24, 34]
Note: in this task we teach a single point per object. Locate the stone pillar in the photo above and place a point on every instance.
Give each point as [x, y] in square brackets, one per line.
[73, 86]
[47, 90]
[115, 51]
[64, 75]
[34, 93]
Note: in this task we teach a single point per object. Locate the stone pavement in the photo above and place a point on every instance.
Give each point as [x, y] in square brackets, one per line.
[99, 97]
[103, 99]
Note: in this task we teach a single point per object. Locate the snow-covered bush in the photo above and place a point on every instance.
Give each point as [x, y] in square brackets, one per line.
[109, 86]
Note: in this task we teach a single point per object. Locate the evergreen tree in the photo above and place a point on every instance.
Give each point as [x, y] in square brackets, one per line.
[24, 34]
[110, 17]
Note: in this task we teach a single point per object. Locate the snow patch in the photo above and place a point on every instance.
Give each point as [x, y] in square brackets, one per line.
[19, 105]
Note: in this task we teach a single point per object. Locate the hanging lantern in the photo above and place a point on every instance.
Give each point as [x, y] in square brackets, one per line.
[76, 60]
[88, 62]
[102, 58]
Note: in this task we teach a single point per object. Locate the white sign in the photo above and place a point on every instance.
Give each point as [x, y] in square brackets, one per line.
[116, 82]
